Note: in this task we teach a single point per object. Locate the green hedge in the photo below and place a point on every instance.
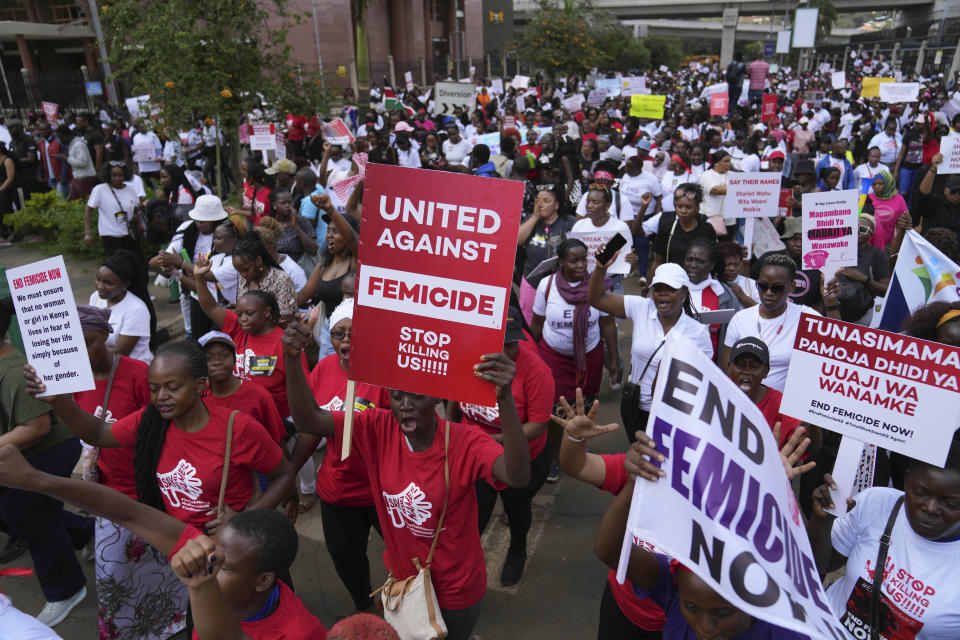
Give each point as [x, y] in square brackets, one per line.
[58, 222]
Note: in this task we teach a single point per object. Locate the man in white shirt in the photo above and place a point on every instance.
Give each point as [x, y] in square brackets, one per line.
[145, 141]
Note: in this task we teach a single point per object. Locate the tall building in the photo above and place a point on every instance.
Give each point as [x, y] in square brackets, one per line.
[46, 35]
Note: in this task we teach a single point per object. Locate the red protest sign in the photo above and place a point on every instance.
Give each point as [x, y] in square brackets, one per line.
[769, 106]
[50, 112]
[436, 259]
[784, 206]
[718, 104]
[336, 132]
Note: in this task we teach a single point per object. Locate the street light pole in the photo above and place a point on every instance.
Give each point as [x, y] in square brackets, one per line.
[98, 30]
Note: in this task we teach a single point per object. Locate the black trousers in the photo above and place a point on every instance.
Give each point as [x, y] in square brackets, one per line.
[516, 503]
[614, 625]
[460, 622]
[51, 533]
[346, 530]
[634, 418]
[200, 323]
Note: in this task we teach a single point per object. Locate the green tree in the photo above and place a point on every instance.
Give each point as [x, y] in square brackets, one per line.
[664, 51]
[557, 38]
[617, 50]
[209, 58]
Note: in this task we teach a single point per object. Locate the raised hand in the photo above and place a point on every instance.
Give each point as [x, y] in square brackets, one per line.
[579, 423]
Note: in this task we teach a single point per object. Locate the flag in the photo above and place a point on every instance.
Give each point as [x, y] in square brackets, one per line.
[923, 274]
[336, 132]
[392, 103]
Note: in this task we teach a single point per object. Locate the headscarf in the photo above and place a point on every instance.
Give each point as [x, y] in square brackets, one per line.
[344, 186]
[93, 318]
[577, 298]
[889, 188]
[343, 310]
[778, 135]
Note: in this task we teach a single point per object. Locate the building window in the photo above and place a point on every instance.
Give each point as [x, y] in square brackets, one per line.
[438, 10]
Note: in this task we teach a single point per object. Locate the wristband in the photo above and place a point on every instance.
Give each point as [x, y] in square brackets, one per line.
[577, 440]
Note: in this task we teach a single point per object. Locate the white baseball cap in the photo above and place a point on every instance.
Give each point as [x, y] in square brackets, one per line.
[672, 275]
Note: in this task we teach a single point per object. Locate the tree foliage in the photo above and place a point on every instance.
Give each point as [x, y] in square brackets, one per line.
[558, 39]
[618, 50]
[206, 57]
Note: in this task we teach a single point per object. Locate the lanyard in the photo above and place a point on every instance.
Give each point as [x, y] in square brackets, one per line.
[779, 329]
[268, 606]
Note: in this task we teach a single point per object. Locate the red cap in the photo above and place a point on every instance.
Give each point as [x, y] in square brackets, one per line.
[777, 154]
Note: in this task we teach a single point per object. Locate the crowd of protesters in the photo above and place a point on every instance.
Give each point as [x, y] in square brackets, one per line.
[199, 454]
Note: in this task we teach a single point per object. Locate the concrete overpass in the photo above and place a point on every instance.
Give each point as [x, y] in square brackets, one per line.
[714, 30]
[648, 9]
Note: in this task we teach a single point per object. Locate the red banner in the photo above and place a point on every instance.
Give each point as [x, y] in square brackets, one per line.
[436, 261]
[769, 106]
[718, 104]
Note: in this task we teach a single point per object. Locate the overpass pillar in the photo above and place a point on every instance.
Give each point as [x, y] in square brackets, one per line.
[954, 66]
[729, 36]
[895, 55]
[876, 52]
[833, 62]
[846, 56]
[920, 55]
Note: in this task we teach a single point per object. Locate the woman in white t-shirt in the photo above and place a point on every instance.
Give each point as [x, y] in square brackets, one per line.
[714, 184]
[667, 308]
[919, 593]
[869, 169]
[599, 221]
[775, 320]
[116, 202]
[678, 174]
[569, 330]
[888, 141]
[122, 287]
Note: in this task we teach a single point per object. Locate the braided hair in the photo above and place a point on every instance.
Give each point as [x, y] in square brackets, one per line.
[268, 300]
[779, 260]
[129, 267]
[251, 246]
[152, 430]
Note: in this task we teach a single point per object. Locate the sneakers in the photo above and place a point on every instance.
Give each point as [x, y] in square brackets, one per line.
[12, 550]
[512, 569]
[554, 474]
[54, 612]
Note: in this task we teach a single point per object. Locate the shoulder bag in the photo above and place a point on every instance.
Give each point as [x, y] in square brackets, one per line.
[878, 571]
[89, 469]
[136, 221]
[410, 605]
[226, 464]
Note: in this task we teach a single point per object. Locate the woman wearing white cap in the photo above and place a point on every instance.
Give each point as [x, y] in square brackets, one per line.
[667, 308]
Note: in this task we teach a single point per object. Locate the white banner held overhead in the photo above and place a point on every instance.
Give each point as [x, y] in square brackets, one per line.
[805, 28]
[897, 92]
[725, 508]
[755, 195]
[838, 79]
[783, 41]
[950, 148]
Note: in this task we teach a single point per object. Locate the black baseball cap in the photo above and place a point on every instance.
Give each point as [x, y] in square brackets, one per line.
[514, 331]
[953, 183]
[751, 346]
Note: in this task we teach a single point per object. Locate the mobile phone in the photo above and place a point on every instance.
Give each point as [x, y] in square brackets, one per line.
[615, 244]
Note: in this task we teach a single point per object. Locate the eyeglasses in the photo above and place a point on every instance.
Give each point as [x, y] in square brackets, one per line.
[763, 287]
[865, 229]
[117, 163]
[340, 334]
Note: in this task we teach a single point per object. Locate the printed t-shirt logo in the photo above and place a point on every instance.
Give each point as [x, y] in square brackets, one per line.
[181, 487]
[409, 508]
[484, 415]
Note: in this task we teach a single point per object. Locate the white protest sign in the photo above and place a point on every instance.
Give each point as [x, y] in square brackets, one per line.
[896, 92]
[634, 85]
[596, 239]
[144, 152]
[838, 79]
[950, 148]
[49, 324]
[793, 85]
[852, 472]
[610, 85]
[492, 140]
[596, 97]
[408, 80]
[830, 230]
[765, 237]
[664, 68]
[783, 41]
[520, 82]
[139, 106]
[450, 95]
[263, 137]
[887, 389]
[496, 86]
[754, 194]
[725, 508]
[573, 103]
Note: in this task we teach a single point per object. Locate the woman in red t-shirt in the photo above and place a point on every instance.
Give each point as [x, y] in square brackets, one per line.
[127, 569]
[253, 329]
[533, 395]
[346, 502]
[404, 450]
[179, 443]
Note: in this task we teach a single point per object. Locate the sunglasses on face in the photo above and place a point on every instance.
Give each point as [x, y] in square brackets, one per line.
[763, 287]
[340, 334]
[865, 229]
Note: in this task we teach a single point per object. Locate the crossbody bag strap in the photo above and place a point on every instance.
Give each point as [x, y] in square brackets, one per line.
[446, 489]
[878, 570]
[113, 373]
[117, 198]
[649, 360]
[666, 255]
[226, 464]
